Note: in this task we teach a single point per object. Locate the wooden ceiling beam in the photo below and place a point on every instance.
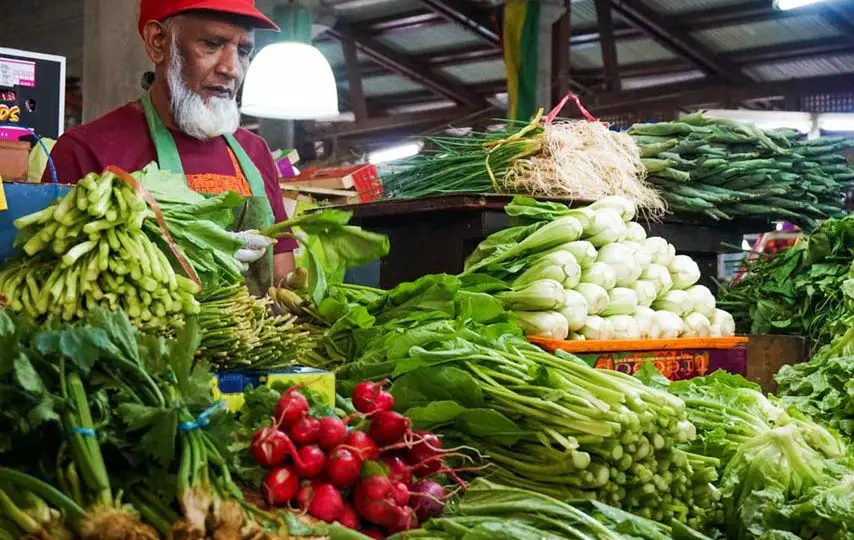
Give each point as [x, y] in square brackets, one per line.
[688, 94]
[404, 65]
[608, 44]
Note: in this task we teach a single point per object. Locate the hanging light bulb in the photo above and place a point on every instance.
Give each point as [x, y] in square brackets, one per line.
[290, 81]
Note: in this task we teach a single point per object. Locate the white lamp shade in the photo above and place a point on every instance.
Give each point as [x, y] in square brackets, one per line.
[290, 81]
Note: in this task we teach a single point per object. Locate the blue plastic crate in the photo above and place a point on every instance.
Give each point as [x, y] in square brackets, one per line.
[24, 199]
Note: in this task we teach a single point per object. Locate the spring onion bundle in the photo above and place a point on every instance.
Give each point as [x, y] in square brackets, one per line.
[723, 169]
[572, 159]
[624, 273]
[88, 250]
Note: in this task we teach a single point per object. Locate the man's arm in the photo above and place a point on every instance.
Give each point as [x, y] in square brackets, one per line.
[73, 160]
[283, 265]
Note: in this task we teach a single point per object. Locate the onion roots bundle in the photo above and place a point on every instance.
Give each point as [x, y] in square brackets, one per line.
[569, 159]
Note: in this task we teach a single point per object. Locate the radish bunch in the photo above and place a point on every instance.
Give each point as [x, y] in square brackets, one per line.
[378, 478]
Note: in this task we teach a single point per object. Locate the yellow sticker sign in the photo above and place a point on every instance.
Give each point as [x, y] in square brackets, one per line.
[3, 206]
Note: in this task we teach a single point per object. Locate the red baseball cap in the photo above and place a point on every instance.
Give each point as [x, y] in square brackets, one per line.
[159, 10]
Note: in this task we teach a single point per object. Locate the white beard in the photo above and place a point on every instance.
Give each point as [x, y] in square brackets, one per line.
[193, 115]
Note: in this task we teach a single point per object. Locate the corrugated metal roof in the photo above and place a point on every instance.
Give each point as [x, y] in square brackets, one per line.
[583, 14]
[357, 10]
[685, 6]
[634, 51]
[425, 39]
[384, 85]
[798, 69]
[646, 82]
[641, 50]
[335, 54]
[763, 33]
[477, 72]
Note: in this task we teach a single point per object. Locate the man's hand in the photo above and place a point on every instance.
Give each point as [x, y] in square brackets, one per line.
[254, 247]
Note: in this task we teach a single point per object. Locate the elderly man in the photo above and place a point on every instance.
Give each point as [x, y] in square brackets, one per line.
[189, 121]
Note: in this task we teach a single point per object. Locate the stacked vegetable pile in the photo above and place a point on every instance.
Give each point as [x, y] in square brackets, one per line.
[461, 368]
[581, 160]
[783, 476]
[805, 290]
[382, 477]
[88, 250]
[723, 169]
[592, 273]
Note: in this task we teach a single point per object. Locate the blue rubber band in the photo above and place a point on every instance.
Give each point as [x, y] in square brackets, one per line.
[86, 432]
[203, 419]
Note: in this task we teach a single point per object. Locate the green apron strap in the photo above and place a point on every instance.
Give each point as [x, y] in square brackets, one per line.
[253, 177]
[164, 144]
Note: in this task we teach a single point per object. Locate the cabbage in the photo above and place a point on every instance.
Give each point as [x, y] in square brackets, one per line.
[684, 272]
[583, 251]
[540, 295]
[607, 228]
[558, 265]
[645, 291]
[596, 296]
[597, 328]
[575, 310]
[621, 301]
[600, 274]
[623, 206]
[677, 302]
[703, 300]
[660, 250]
[625, 327]
[642, 256]
[621, 258]
[724, 323]
[636, 232]
[548, 324]
[647, 323]
[696, 325]
[660, 277]
[670, 326]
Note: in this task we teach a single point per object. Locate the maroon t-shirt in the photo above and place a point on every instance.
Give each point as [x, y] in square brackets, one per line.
[121, 138]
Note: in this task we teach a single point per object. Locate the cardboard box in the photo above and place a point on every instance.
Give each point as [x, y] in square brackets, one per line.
[14, 160]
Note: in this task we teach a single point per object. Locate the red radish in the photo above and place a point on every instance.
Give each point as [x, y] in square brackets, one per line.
[291, 407]
[343, 467]
[376, 535]
[349, 518]
[362, 443]
[305, 495]
[401, 493]
[398, 470]
[369, 397]
[326, 504]
[425, 455]
[388, 427]
[428, 499]
[333, 431]
[375, 487]
[405, 520]
[381, 512]
[305, 431]
[311, 461]
[269, 447]
[280, 486]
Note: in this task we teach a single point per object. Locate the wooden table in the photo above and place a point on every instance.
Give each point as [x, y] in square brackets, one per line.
[436, 234]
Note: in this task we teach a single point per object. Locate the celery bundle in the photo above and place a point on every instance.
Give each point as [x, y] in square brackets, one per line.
[87, 250]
